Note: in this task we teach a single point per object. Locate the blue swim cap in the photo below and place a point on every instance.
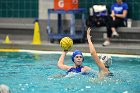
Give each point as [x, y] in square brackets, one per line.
[76, 52]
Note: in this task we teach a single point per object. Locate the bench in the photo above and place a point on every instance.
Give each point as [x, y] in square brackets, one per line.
[120, 29]
[16, 26]
[125, 34]
[16, 31]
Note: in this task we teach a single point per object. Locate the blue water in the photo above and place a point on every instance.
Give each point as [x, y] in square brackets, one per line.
[34, 73]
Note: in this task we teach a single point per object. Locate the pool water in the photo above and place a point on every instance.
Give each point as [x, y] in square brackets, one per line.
[27, 72]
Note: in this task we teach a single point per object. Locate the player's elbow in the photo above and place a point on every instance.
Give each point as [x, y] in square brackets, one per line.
[59, 65]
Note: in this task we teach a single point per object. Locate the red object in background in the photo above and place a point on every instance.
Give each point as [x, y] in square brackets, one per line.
[65, 4]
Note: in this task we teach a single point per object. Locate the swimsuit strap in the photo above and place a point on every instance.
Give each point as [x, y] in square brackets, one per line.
[76, 70]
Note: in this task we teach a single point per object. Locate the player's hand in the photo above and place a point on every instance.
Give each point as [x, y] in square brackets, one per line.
[88, 33]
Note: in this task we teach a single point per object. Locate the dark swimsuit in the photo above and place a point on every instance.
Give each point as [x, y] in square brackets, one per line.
[109, 74]
[76, 70]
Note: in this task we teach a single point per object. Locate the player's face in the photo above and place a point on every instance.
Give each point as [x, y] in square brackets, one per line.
[78, 59]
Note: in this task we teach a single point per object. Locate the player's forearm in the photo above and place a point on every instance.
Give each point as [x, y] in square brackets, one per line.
[95, 56]
[61, 59]
[91, 46]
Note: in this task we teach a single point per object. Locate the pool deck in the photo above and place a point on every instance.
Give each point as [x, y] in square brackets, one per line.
[114, 48]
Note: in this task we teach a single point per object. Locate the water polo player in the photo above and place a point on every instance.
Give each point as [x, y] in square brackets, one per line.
[77, 58]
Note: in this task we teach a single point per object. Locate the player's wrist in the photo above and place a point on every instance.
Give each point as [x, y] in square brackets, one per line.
[89, 36]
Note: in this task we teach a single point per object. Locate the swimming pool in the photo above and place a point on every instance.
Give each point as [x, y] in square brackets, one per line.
[31, 72]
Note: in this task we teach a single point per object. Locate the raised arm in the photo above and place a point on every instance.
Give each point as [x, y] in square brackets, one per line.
[61, 64]
[94, 54]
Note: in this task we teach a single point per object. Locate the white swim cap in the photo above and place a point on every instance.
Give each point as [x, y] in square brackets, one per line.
[107, 60]
[4, 88]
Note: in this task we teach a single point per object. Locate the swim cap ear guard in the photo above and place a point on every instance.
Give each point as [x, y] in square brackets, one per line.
[107, 60]
[76, 52]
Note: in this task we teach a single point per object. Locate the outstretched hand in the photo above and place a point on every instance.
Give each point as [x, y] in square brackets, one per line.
[88, 33]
